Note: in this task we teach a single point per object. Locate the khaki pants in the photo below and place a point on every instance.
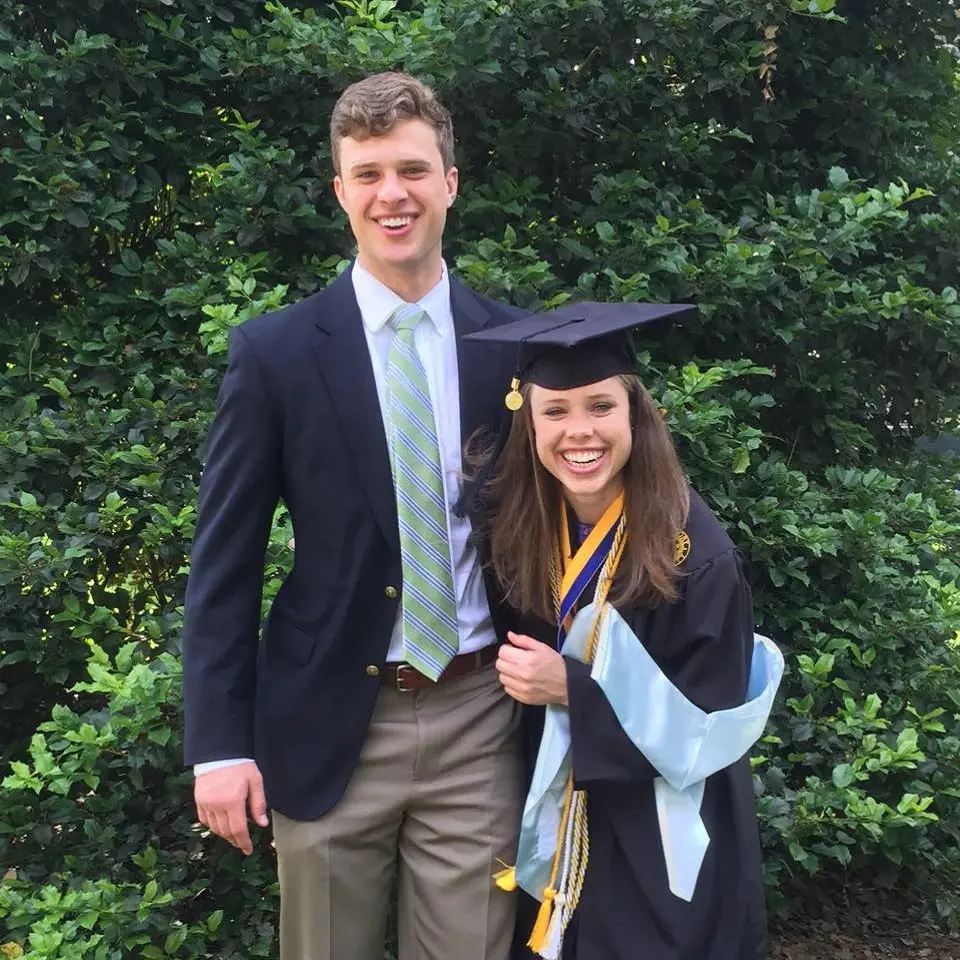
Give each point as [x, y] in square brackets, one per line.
[436, 799]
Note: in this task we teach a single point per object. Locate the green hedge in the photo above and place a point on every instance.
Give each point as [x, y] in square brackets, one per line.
[164, 174]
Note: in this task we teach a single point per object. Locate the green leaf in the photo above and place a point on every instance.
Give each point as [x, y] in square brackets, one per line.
[19, 272]
[837, 177]
[605, 231]
[58, 387]
[160, 735]
[843, 776]
[175, 941]
[130, 260]
[78, 217]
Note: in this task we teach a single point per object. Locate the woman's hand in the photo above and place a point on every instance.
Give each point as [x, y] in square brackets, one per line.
[532, 672]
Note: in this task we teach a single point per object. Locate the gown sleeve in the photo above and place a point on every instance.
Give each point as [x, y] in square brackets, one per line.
[702, 643]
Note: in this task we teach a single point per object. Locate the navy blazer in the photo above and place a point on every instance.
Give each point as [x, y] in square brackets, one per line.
[298, 419]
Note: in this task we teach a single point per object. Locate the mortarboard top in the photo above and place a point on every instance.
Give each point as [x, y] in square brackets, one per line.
[577, 344]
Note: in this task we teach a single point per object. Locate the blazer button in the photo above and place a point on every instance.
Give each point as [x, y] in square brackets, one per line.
[373, 670]
[391, 592]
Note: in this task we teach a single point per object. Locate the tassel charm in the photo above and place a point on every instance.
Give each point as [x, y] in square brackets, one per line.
[513, 401]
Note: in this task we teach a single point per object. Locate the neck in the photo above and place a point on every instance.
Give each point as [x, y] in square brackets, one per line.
[589, 509]
[410, 285]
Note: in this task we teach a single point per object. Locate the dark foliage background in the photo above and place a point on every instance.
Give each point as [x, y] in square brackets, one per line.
[164, 173]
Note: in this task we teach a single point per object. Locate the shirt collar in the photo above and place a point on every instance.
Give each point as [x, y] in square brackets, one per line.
[377, 301]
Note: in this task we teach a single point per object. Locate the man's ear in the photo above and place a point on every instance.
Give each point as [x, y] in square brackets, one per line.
[452, 177]
[338, 190]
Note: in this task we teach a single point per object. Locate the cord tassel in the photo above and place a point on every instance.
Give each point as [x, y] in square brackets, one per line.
[538, 936]
[554, 941]
[506, 879]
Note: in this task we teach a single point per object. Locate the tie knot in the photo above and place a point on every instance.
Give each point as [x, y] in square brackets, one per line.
[406, 317]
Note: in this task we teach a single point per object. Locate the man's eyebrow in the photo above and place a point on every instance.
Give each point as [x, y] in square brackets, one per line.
[375, 164]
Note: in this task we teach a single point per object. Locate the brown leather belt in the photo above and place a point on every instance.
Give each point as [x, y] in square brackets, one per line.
[403, 677]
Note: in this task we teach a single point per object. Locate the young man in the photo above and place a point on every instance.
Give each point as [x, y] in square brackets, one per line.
[370, 718]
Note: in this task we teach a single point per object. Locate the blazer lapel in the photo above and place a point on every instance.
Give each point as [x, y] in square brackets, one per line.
[344, 361]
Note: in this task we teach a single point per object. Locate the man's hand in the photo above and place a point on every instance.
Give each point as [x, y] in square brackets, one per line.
[222, 797]
[531, 671]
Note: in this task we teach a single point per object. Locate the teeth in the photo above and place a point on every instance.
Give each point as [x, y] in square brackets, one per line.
[585, 457]
[395, 221]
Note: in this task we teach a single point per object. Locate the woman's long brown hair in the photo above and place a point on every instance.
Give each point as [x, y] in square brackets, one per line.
[522, 503]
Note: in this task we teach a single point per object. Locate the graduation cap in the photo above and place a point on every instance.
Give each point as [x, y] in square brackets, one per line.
[576, 344]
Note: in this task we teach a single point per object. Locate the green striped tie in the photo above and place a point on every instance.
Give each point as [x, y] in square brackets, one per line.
[429, 611]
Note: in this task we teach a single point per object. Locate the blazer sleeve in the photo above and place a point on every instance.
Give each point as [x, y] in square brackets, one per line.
[239, 491]
[703, 645]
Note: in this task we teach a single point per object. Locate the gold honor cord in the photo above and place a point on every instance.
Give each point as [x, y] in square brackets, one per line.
[573, 840]
[562, 894]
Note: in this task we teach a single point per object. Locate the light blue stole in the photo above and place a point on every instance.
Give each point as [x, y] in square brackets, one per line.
[685, 745]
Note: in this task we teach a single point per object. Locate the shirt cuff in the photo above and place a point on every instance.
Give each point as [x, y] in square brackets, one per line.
[199, 769]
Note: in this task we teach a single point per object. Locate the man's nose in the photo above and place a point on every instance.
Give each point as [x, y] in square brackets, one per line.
[392, 189]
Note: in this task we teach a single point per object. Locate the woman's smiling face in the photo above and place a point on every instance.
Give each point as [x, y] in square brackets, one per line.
[584, 438]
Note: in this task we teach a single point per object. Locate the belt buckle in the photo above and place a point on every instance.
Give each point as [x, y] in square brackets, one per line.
[401, 686]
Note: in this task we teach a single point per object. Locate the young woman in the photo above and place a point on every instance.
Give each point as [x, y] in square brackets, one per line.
[639, 835]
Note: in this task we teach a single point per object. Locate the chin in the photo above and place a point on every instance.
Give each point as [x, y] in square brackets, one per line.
[402, 259]
[587, 489]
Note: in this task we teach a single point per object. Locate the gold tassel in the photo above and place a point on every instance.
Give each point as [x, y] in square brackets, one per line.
[538, 936]
[506, 879]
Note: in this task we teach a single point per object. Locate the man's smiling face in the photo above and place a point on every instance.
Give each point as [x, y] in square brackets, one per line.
[396, 194]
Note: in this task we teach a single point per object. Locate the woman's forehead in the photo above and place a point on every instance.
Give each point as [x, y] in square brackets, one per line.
[610, 386]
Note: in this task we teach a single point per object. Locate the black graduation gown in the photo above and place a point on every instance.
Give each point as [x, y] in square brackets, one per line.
[703, 643]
